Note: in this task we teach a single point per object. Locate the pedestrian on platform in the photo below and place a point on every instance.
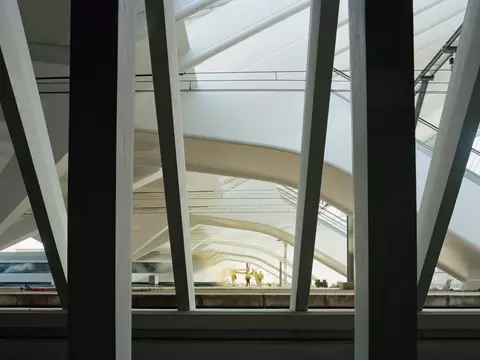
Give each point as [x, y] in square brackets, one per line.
[248, 277]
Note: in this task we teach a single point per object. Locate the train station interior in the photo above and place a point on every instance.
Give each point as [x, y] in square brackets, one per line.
[245, 177]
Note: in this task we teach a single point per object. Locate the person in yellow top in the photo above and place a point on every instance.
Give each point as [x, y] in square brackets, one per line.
[248, 277]
[234, 279]
[260, 278]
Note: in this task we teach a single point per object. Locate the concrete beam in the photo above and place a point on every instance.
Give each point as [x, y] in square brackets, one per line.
[155, 242]
[147, 180]
[12, 190]
[155, 233]
[458, 127]
[260, 249]
[193, 58]
[158, 239]
[385, 220]
[224, 257]
[321, 49]
[268, 230]
[276, 269]
[163, 53]
[60, 53]
[24, 228]
[101, 167]
[50, 53]
[22, 108]
[192, 8]
[147, 227]
[197, 220]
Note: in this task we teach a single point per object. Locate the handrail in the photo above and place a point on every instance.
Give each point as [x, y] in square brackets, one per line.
[324, 213]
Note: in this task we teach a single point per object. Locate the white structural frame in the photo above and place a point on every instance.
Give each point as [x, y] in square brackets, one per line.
[457, 131]
[148, 179]
[220, 258]
[191, 58]
[231, 255]
[163, 53]
[192, 8]
[321, 50]
[279, 234]
[155, 242]
[60, 54]
[15, 199]
[287, 238]
[241, 245]
[22, 108]
[21, 230]
[250, 257]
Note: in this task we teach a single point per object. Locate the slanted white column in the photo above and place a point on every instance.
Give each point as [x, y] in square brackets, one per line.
[458, 128]
[383, 130]
[163, 53]
[22, 108]
[321, 49]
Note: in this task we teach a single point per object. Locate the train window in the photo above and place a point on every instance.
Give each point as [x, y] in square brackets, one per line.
[147, 267]
[43, 268]
[22, 268]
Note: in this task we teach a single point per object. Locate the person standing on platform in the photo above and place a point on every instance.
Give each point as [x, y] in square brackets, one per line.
[248, 277]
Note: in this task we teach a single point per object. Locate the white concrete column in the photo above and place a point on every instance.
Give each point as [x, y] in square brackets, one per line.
[12, 190]
[321, 49]
[383, 129]
[22, 108]
[163, 53]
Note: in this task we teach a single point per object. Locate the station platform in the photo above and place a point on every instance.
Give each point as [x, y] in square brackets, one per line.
[230, 298]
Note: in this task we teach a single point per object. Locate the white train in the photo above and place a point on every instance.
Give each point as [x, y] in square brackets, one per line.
[31, 268]
[24, 268]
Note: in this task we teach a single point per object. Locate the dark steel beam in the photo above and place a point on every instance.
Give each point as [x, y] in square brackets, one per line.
[350, 250]
[100, 179]
[384, 181]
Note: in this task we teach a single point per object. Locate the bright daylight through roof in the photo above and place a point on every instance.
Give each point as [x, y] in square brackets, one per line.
[239, 154]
